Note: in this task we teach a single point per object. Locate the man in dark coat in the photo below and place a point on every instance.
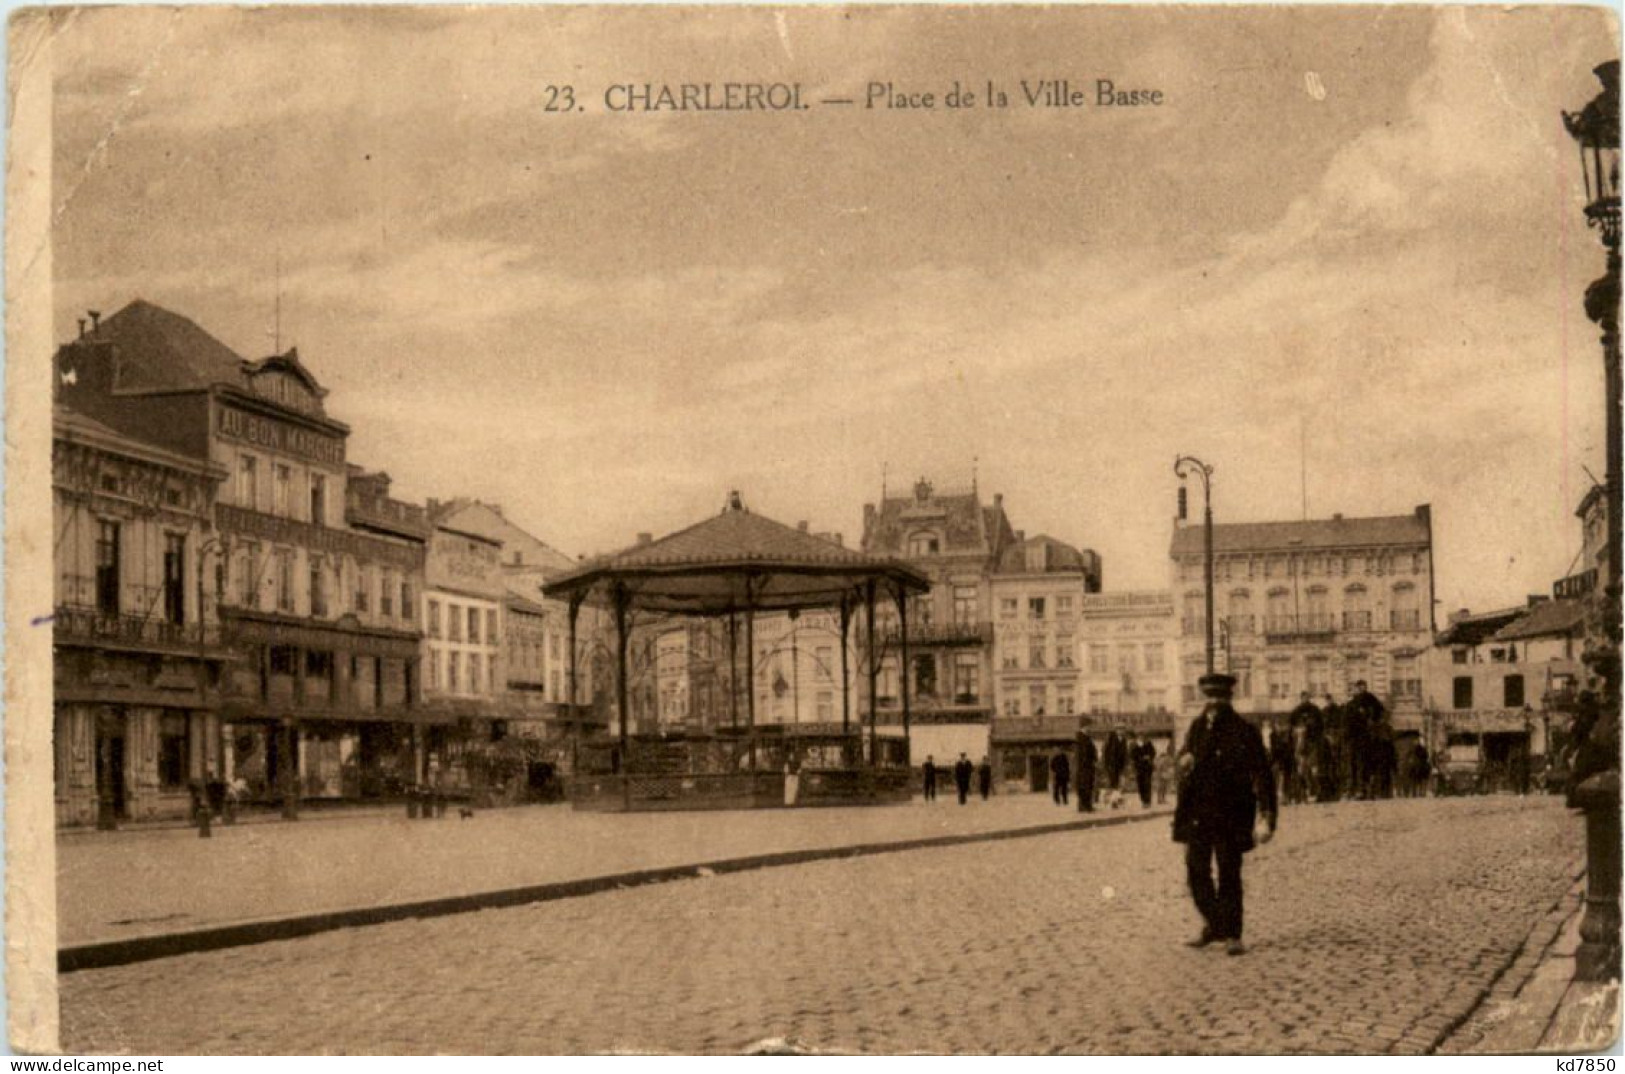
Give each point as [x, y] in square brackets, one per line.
[1112, 759]
[1225, 788]
[1060, 777]
[962, 773]
[930, 770]
[1088, 756]
[1144, 759]
[1362, 717]
[1332, 741]
[1284, 759]
[984, 777]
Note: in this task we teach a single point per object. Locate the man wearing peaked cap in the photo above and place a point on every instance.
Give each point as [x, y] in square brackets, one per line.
[1225, 787]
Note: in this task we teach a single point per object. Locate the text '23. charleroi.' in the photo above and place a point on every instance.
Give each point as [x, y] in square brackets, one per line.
[878, 95]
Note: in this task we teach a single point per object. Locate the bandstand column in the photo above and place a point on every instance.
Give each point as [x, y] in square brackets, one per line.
[620, 601]
[846, 671]
[903, 670]
[750, 672]
[874, 665]
[575, 713]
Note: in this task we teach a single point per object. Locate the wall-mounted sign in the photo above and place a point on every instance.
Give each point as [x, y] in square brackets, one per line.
[280, 436]
[237, 520]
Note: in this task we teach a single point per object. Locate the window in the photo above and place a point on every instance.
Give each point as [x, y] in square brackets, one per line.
[1125, 659]
[107, 567]
[490, 626]
[318, 499]
[172, 751]
[1066, 701]
[248, 482]
[406, 599]
[1008, 607]
[318, 588]
[1010, 660]
[1037, 698]
[1319, 679]
[454, 669]
[1063, 607]
[1279, 679]
[282, 490]
[363, 589]
[1356, 614]
[825, 700]
[454, 622]
[1156, 700]
[434, 669]
[1035, 651]
[174, 578]
[886, 681]
[386, 594]
[284, 580]
[1153, 656]
[434, 619]
[1012, 706]
[1512, 691]
[1100, 701]
[248, 570]
[964, 604]
[1316, 605]
[1240, 613]
[925, 676]
[1404, 613]
[922, 544]
[1403, 680]
[967, 673]
[1064, 657]
[824, 662]
[1099, 659]
[1458, 656]
[474, 626]
[1035, 607]
[1461, 692]
[475, 678]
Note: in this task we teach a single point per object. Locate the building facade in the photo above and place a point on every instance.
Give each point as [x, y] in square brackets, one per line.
[1314, 605]
[956, 541]
[137, 654]
[321, 696]
[1128, 663]
[1037, 592]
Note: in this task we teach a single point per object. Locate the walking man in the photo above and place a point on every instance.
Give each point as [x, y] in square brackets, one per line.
[962, 773]
[930, 770]
[1060, 777]
[1225, 788]
[984, 777]
[1144, 759]
[1087, 758]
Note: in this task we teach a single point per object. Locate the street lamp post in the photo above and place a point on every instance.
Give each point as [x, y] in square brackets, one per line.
[1596, 129]
[1184, 467]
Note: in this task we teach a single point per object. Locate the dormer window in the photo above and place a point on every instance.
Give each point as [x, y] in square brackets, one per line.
[923, 544]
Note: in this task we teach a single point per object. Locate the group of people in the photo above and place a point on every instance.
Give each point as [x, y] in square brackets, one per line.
[1328, 752]
[1125, 763]
[963, 771]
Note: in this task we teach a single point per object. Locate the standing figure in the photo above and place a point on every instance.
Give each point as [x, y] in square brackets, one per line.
[1283, 758]
[1363, 719]
[1334, 762]
[984, 777]
[1225, 788]
[1112, 759]
[930, 770]
[1088, 756]
[1421, 771]
[1144, 759]
[962, 773]
[1162, 774]
[1060, 777]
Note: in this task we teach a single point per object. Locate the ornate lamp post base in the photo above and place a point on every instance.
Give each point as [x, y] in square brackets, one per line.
[1598, 958]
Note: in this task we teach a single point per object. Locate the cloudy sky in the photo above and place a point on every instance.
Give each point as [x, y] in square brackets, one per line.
[1357, 231]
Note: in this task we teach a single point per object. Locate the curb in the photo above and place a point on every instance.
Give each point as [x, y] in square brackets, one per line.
[107, 953]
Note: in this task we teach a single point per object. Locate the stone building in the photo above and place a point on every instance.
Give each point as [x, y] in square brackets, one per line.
[1313, 605]
[1128, 664]
[322, 695]
[956, 541]
[1037, 591]
[135, 631]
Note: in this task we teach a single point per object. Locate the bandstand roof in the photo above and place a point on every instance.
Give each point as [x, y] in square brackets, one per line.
[732, 562]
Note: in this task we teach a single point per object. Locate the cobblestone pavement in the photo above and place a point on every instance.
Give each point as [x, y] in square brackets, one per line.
[121, 884]
[1373, 927]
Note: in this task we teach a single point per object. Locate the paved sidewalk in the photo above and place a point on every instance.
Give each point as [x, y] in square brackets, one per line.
[123, 885]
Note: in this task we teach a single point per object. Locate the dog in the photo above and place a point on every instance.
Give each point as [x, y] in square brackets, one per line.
[465, 812]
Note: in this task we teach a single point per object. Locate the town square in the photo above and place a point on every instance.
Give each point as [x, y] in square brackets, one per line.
[857, 561]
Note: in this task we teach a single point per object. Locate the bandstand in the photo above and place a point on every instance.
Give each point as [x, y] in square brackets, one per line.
[735, 566]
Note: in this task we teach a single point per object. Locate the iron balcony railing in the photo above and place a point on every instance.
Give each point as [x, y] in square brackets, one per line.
[90, 625]
[1279, 627]
[953, 632]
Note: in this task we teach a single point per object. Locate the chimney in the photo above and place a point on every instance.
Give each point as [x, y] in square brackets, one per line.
[81, 328]
[1021, 535]
[1338, 517]
[646, 538]
[998, 500]
[840, 539]
[802, 525]
[95, 319]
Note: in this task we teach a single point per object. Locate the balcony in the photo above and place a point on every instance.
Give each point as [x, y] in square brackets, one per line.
[1289, 628]
[384, 513]
[1405, 620]
[87, 626]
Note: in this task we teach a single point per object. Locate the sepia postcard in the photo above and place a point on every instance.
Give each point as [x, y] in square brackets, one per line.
[812, 530]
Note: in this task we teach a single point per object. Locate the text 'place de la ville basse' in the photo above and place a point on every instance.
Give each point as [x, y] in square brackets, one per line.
[348, 758]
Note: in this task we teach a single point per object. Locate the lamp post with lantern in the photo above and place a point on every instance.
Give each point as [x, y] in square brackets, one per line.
[1596, 791]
